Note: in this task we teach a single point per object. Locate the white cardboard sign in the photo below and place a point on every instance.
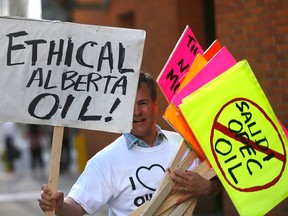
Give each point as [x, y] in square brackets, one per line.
[67, 74]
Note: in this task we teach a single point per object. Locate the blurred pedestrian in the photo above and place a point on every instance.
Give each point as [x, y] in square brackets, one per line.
[11, 151]
[34, 136]
[66, 151]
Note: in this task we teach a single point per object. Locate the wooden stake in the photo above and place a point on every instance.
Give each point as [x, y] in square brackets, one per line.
[161, 195]
[181, 209]
[55, 162]
[163, 204]
[174, 163]
[204, 170]
[191, 208]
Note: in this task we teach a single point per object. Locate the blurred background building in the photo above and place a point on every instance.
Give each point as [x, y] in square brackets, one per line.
[255, 30]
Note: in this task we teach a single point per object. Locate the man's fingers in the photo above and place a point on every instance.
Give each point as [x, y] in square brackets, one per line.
[180, 188]
[47, 201]
[46, 190]
[181, 179]
[179, 173]
[46, 205]
[46, 197]
[57, 195]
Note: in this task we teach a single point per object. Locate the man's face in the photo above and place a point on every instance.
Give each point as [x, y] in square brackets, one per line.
[144, 114]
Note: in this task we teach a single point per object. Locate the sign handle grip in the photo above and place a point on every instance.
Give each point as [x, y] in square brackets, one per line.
[55, 162]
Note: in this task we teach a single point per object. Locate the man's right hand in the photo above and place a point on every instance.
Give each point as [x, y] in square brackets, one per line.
[49, 201]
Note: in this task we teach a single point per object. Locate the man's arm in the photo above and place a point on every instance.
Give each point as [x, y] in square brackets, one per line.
[62, 206]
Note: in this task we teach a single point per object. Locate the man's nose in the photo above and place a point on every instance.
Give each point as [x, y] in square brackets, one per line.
[136, 110]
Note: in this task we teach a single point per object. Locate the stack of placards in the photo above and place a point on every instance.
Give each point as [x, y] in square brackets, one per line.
[220, 109]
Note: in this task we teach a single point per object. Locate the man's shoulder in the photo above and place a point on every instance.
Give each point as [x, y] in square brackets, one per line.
[172, 135]
[112, 150]
[118, 143]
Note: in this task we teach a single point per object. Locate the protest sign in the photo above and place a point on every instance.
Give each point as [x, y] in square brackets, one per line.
[178, 63]
[222, 61]
[284, 129]
[67, 74]
[172, 114]
[241, 137]
[197, 65]
[212, 50]
[174, 117]
[199, 62]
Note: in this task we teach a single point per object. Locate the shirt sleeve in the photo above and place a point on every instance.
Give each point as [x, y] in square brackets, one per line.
[91, 189]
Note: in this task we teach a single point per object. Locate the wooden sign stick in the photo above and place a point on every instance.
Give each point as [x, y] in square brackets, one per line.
[161, 195]
[174, 163]
[171, 199]
[55, 162]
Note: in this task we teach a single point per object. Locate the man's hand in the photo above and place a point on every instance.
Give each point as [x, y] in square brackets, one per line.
[49, 201]
[191, 184]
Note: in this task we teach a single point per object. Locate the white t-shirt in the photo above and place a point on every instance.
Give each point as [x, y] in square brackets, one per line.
[123, 178]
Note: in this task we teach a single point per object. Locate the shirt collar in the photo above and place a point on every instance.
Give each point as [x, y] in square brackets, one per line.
[133, 140]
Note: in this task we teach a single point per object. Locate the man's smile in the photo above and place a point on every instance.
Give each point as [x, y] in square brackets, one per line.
[138, 120]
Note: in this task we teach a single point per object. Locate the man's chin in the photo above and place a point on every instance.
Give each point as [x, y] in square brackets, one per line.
[137, 131]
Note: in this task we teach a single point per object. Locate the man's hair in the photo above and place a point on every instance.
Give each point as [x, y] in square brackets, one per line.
[151, 84]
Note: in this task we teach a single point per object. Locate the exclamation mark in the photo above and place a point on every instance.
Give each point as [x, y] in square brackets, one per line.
[114, 106]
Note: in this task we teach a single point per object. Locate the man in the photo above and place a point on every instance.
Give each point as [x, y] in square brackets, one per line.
[126, 173]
